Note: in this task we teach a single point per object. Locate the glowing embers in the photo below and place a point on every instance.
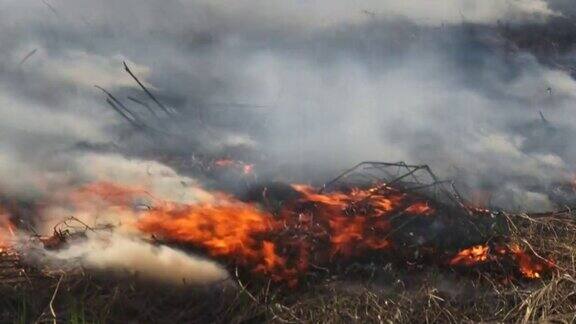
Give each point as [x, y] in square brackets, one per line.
[528, 265]
[471, 256]
[531, 267]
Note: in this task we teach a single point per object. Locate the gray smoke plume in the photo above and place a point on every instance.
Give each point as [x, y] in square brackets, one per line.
[309, 87]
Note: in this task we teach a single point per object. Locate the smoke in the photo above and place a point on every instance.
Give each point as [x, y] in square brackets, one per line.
[322, 14]
[74, 196]
[103, 234]
[305, 88]
[123, 254]
[371, 80]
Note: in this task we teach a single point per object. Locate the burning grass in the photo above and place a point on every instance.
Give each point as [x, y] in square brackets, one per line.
[357, 292]
[476, 284]
[396, 248]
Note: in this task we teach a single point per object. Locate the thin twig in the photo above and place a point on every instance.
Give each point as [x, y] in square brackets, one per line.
[244, 287]
[145, 105]
[29, 55]
[51, 305]
[119, 106]
[146, 90]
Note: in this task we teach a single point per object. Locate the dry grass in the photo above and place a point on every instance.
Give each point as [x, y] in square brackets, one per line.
[360, 293]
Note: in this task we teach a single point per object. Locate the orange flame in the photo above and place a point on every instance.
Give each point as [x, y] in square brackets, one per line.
[314, 228]
[529, 266]
[471, 256]
[348, 232]
[319, 225]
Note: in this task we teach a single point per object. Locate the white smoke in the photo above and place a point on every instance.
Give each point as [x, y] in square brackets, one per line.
[338, 81]
[154, 181]
[123, 254]
[116, 245]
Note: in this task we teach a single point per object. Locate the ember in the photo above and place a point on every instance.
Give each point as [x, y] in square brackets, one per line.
[243, 167]
[471, 256]
[528, 265]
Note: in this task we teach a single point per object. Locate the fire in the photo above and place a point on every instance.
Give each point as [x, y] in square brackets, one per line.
[420, 208]
[527, 265]
[309, 228]
[471, 256]
[227, 228]
[319, 227]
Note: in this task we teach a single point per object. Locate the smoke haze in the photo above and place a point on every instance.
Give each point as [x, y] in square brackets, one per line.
[308, 87]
